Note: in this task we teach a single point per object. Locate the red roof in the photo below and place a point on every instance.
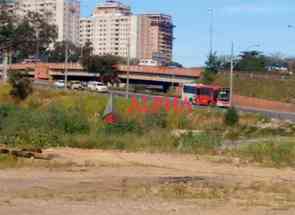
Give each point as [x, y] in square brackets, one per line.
[191, 72]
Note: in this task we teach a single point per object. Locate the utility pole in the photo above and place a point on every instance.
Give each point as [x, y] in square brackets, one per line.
[66, 63]
[231, 74]
[38, 44]
[70, 11]
[211, 12]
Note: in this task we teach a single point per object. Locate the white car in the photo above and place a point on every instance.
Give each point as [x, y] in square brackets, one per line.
[59, 84]
[76, 85]
[97, 86]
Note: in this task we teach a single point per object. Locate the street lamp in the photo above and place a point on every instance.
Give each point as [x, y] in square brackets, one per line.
[128, 68]
[211, 12]
[231, 74]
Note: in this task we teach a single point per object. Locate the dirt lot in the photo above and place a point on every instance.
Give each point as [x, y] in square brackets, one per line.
[90, 182]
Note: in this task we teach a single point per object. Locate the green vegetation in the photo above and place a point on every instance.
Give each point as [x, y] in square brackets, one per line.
[103, 65]
[23, 38]
[49, 118]
[21, 85]
[244, 85]
[278, 152]
[231, 117]
[211, 69]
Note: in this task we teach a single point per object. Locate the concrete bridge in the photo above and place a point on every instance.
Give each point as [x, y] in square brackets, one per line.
[146, 75]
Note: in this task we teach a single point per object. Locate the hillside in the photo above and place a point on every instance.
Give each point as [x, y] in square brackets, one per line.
[271, 88]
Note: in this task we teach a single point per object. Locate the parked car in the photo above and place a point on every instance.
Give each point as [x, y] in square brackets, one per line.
[97, 86]
[76, 85]
[59, 84]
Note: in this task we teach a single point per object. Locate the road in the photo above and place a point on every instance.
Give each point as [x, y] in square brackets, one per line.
[264, 112]
[267, 113]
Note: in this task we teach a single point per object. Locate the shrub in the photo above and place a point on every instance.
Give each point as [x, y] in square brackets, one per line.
[21, 85]
[231, 117]
[70, 121]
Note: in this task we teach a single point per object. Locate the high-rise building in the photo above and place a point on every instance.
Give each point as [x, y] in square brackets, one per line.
[155, 37]
[86, 30]
[113, 29]
[65, 14]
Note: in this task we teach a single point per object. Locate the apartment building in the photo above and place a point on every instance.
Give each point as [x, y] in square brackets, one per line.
[113, 29]
[65, 14]
[86, 30]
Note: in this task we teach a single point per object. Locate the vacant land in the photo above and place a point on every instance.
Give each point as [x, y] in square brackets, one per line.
[166, 163]
[110, 182]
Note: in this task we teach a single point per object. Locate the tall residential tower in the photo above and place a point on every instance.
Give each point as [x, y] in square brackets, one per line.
[113, 29]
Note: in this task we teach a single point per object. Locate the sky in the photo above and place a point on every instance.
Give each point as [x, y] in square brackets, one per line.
[250, 24]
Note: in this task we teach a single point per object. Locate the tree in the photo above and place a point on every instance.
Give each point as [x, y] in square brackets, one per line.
[275, 60]
[224, 62]
[211, 69]
[175, 64]
[87, 51]
[207, 77]
[58, 53]
[213, 63]
[26, 36]
[104, 66]
[21, 85]
[43, 32]
[251, 61]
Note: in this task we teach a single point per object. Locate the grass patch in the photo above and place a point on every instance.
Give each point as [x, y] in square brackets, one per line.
[279, 153]
[278, 90]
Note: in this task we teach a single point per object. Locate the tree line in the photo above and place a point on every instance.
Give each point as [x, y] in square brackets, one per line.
[247, 61]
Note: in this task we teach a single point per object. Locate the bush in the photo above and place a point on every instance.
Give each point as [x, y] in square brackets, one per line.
[21, 85]
[28, 127]
[231, 117]
[71, 121]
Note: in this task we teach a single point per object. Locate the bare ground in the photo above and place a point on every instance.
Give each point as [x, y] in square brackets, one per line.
[90, 182]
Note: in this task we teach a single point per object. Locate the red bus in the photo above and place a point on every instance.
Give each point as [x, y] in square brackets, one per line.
[207, 94]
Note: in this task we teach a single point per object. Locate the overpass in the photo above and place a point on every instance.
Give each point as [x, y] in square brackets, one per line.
[147, 75]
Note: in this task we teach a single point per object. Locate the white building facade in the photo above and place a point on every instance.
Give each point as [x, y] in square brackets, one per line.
[65, 14]
[86, 30]
[113, 29]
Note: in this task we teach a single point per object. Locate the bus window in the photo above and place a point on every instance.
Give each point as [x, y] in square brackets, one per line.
[204, 91]
[189, 89]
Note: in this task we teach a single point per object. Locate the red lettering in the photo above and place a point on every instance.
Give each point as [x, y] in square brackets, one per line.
[157, 104]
